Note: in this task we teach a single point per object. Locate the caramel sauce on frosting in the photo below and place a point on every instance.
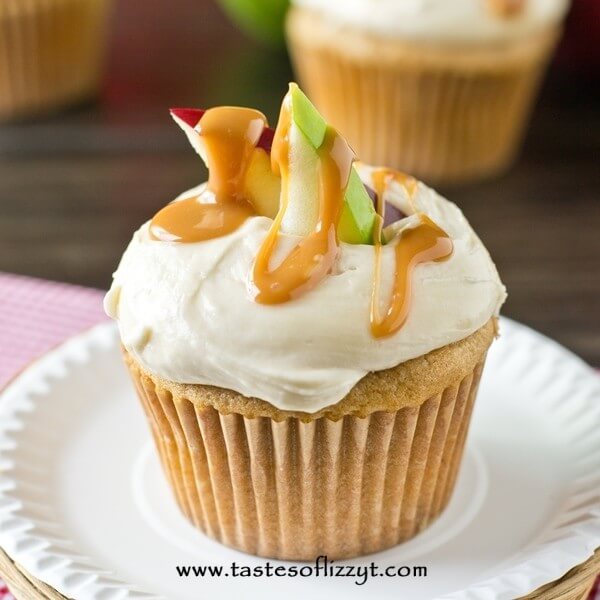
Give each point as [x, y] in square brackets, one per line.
[197, 220]
[314, 256]
[230, 135]
[416, 245]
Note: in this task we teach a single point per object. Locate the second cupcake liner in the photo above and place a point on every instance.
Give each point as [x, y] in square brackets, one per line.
[443, 114]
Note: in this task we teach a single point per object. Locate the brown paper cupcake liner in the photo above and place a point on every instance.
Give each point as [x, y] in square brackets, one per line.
[50, 53]
[296, 490]
[440, 113]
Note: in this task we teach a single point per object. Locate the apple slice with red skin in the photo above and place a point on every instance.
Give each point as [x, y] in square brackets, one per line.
[262, 187]
[392, 214]
[191, 117]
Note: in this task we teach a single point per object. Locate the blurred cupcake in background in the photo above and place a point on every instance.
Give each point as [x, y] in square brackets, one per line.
[437, 88]
[50, 53]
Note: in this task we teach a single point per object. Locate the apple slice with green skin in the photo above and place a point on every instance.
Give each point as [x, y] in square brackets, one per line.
[302, 209]
[307, 134]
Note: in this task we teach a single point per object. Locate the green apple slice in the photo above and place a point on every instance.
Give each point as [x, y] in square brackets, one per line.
[302, 209]
[307, 134]
[358, 214]
[307, 117]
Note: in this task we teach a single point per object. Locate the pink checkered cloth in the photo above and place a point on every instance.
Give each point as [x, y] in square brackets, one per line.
[36, 315]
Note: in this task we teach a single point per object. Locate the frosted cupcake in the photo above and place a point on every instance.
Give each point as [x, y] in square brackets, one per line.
[440, 88]
[307, 357]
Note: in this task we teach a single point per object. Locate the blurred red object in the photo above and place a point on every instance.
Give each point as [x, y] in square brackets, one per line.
[580, 47]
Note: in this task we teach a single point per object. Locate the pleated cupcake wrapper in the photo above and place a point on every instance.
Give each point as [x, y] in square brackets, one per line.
[51, 53]
[296, 490]
[432, 119]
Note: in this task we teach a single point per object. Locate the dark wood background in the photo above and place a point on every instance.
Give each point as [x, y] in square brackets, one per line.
[74, 187]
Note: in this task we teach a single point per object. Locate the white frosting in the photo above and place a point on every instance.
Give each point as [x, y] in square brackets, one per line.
[186, 314]
[443, 20]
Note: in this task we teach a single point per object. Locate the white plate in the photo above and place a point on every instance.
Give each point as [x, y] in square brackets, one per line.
[84, 506]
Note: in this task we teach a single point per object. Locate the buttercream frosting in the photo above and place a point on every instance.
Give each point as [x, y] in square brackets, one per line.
[187, 314]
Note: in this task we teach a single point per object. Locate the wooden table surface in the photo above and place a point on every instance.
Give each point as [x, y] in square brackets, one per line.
[73, 187]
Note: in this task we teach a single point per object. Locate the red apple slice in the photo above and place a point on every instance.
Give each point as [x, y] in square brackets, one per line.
[262, 186]
[190, 116]
[188, 119]
[392, 214]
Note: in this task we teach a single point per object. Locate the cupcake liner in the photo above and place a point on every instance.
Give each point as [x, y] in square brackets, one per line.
[440, 113]
[293, 489]
[50, 53]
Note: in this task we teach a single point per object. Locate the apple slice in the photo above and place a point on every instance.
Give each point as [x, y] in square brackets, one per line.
[307, 133]
[307, 117]
[358, 216]
[302, 210]
[261, 186]
[188, 119]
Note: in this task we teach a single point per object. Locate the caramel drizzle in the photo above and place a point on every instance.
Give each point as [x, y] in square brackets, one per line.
[424, 243]
[229, 135]
[312, 258]
[380, 178]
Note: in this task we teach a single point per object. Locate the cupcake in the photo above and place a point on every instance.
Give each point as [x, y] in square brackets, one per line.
[442, 89]
[306, 335]
[50, 53]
